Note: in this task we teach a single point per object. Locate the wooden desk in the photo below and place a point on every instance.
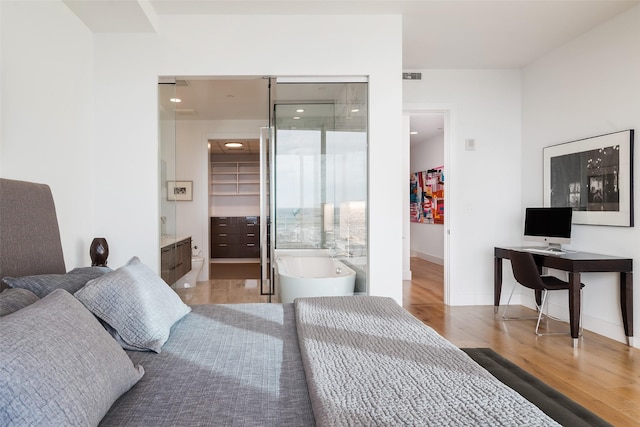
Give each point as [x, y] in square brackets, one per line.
[576, 263]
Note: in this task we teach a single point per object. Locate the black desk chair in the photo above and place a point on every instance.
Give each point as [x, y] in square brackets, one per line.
[526, 272]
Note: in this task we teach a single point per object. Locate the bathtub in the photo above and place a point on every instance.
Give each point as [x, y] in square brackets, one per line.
[312, 276]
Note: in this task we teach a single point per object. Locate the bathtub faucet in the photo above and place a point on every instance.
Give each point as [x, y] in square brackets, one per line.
[336, 254]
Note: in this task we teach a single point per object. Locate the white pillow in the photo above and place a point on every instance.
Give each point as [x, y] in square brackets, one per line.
[59, 366]
[136, 304]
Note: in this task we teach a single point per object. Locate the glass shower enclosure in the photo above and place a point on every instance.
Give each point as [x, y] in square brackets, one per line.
[319, 172]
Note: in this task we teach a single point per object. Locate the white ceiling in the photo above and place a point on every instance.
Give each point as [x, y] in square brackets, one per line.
[438, 34]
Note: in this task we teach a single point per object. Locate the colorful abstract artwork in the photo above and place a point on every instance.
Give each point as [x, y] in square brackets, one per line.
[427, 196]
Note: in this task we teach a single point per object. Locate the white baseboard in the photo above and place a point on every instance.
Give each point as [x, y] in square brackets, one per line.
[427, 257]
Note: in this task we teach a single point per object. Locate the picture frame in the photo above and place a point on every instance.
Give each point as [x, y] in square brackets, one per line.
[180, 191]
[594, 176]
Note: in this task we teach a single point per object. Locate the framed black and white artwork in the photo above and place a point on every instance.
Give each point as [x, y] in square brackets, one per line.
[594, 176]
[179, 190]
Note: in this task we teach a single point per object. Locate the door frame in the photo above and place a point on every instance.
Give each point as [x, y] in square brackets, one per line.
[449, 115]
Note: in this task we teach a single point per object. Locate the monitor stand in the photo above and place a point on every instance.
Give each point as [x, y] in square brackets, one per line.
[554, 247]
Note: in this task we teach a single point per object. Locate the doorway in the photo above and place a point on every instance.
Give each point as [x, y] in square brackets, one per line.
[428, 201]
[234, 209]
[225, 216]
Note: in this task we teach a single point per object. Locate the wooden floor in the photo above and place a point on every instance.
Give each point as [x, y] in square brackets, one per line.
[601, 374]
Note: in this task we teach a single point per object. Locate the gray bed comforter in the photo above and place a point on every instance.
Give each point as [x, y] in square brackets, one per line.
[337, 361]
[369, 362]
[223, 365]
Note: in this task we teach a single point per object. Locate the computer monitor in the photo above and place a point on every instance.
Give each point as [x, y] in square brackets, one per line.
[548, 225]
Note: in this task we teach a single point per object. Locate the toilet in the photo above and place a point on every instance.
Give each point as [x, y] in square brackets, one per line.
[190, 279]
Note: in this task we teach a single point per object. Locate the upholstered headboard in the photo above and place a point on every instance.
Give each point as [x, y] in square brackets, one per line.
[29, 236]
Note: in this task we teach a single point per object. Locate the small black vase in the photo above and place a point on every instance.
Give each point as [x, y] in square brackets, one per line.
[99, 251]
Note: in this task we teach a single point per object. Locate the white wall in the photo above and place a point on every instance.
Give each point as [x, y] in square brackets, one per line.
[483, 186]
[126, 138]
[46, 93]
[589, 87]
[427, 240]
[86, 120]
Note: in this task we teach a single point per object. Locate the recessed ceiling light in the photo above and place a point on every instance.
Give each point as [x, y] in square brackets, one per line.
[175, 100]
[233, 144]
[414, 132]
[355, 110]
[296, 118]
[300, 110]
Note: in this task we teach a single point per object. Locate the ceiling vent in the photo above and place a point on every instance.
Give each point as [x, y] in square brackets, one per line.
[411, 76]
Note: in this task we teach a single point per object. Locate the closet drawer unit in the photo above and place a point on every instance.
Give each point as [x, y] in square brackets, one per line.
[249, 237]
[250, 222]
[249, 250]
[224, 237]
[216, 220]
[223, 250]
[235, 237]
[235, 250]
[227, 225]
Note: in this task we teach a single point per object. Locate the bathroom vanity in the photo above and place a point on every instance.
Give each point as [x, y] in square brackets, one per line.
[175, 258]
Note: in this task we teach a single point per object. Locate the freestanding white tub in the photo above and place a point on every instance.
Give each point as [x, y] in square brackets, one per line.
[313, 276]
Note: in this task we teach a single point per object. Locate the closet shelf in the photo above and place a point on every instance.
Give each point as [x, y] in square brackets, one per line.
[234, 179]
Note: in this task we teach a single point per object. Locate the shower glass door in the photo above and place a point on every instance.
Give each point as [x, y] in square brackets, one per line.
[168, 214]
[319, 172]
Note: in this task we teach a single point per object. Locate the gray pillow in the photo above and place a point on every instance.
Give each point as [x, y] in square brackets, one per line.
[14, 299]
[136, 304]
[59, 366]
[43, 284]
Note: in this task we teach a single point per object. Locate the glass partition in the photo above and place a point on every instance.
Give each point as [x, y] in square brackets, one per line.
[320, 173]
[167, 165]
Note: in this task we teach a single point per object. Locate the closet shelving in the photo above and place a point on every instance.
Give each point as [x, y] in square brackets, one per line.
[234, 179]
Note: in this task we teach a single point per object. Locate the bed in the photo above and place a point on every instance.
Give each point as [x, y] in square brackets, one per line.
[329, 361]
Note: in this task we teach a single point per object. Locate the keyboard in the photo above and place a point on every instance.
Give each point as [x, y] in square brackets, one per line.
[546, 251]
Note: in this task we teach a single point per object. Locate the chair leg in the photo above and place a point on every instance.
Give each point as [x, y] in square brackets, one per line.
[544, 298]
[506, 308]
[541, 309]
